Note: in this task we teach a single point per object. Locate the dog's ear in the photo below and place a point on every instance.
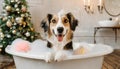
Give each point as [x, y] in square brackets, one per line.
[49, 17]
[73, 22]
[45, 22]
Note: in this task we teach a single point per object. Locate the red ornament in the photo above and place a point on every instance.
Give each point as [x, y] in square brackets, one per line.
[24, 9]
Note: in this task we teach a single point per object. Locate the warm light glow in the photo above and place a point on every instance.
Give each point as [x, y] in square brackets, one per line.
[100, 2]
[89, 6]
[88, 2]
[84, 2]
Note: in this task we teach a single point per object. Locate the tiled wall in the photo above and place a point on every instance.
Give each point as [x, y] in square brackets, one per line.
[87, 22]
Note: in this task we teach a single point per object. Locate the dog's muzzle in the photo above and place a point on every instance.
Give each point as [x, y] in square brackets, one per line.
[60, 34]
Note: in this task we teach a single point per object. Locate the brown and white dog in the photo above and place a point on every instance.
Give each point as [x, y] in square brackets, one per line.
[59, 29]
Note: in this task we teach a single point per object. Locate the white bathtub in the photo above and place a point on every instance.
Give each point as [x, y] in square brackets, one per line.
[90, 60]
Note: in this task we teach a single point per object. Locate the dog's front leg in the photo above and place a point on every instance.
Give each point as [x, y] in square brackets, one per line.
[62, 55]
[49, 57]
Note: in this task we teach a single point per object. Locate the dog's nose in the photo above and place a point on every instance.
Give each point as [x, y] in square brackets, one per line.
[60, 29]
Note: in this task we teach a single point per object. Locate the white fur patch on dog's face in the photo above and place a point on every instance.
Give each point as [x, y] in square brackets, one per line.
[59, 21]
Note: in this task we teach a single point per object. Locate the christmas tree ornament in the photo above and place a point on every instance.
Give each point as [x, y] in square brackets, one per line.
[22, 15]
[14, 31]
[16, 5]
[17, 9]
[24, 9]
[24, 38]
[26, 14]
[12, 1]
[8, 36]
[32, 37]
[9, 17]
[2, 35]
[8, 8]
[18, 1]
[19, 20]
[28, 29]
[4, 42]
[12, 20]
[10, 27]
[18, 12]
[9, 23]
[18, 34]
[4, 18]
[1, 38]
[15, 23]
[29, 18]
[32, 29]
[27, 34]
[20, 24]
[14, 27]
[24, 24]
[20, 28]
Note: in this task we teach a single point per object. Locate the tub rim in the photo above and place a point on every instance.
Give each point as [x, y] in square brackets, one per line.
[42, 57]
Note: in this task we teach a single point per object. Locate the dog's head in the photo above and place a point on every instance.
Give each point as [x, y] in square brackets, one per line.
[59, 25]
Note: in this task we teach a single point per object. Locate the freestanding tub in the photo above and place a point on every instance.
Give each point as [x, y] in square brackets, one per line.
[91, 60]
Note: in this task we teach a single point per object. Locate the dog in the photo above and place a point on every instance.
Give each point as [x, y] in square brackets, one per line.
[59, 29]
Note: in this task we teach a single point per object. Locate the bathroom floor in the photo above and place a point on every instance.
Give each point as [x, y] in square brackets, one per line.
[6, 62]
[111, 61]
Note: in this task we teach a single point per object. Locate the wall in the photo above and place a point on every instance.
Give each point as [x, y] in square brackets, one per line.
[87, 22]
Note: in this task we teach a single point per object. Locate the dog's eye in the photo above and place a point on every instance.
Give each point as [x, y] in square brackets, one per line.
[66, 21]
[54, 21]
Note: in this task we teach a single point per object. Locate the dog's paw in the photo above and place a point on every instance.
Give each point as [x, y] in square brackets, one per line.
[60, 56]
[49, 57]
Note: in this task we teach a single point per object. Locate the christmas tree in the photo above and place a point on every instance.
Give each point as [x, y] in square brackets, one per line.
[15, 22]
